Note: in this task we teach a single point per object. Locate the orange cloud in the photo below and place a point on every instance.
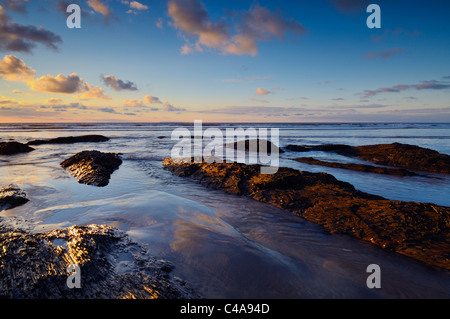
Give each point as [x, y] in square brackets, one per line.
[14, 69]
[59, 84]
[152, 99]
[99, 7]
[89, 92]
[260, 91]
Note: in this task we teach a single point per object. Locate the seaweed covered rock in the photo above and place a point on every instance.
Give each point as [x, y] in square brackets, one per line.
[110, 266]
[417, 230]
[12, 196]
[402, 155]
[396, 154]
[92, 167]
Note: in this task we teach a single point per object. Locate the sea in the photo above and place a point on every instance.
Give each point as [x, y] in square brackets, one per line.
[222, 245]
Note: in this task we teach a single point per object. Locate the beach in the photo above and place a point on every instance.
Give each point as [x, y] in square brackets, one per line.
[224, 245]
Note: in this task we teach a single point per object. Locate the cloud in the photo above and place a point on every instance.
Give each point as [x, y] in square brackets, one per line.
[260, 101]
[58, 106]
[159, 23]
[16, 5]
[191, 17]
[384, 55]
[21, 38]
[152, 99]
[118, 85]
[14, 69]
[133, 103]
[425, 85]
[135, 6]
[89, 92]
[170, 108]
[138, 6]
[260, 91]
[99, 7]
[59, 84]
[54, 101]
[257, 24]
[70, 84]
[108, 110]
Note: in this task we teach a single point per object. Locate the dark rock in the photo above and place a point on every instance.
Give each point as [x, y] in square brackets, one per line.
[34, 266]
[161, 137]
[246, 145]
[358, 167]
[71, 140]
[10, 148]
[297, 148]
[403, 156]
[12, 196]
[396, 154]
[322, 147]
[417, 230]
[92, 167]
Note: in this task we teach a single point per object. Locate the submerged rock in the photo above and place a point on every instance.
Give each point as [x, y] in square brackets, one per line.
[111, 266]
[71, 140]
[357, 167]
[11, 148]
[12, 196]
[92, 167]
[417, 230]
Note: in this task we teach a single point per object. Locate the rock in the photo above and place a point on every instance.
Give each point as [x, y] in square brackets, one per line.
[92, 167]
[322, 147]
[111, 266]
[297, 148]
[12, 196]
[71, 140]
[396, 154]
[358, 167]
[417, 230]
[10, 148]
[403, 156]
[247, 143]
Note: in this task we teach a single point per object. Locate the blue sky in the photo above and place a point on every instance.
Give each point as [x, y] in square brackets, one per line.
[239, 60]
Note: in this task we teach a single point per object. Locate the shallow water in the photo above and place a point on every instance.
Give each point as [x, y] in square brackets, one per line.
[227, 246]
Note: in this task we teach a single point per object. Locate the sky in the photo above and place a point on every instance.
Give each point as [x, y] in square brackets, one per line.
[224, 61]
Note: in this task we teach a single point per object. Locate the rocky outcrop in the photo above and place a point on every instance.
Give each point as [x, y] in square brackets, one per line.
[71, 140]
[111, 266]
[358, 167]
[396, 154]
[11, 148]
[402, 155]
[12, 196]
[247, 145]
[417, 230]
[92, 167]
